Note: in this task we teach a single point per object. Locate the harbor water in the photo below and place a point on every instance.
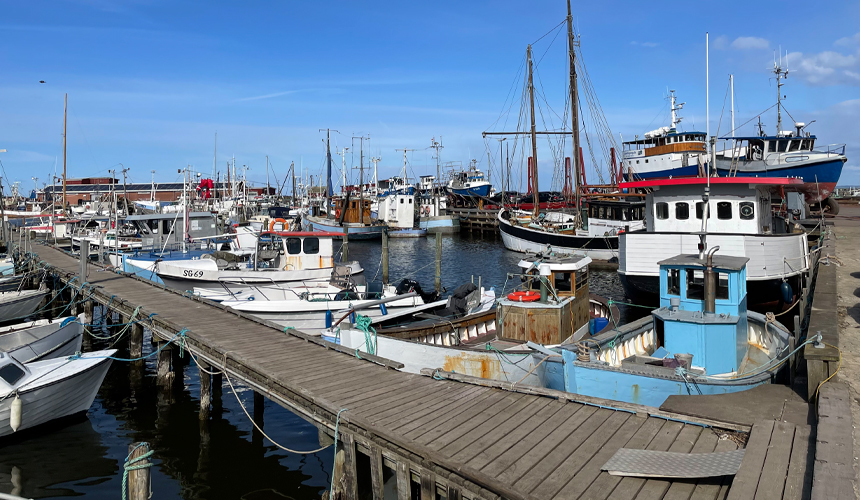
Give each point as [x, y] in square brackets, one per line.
[225, 458]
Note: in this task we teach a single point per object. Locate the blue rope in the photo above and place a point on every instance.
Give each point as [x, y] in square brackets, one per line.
[180, 335]
[336, 426]
[363, 323]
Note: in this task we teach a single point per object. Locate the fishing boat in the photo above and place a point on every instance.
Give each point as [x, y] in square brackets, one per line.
[702, 340]
[787, 153]
[283, 258]
[20, 304]
[35, 393]
[469, 182]
[739, 220]
[351, 217]
[666, 152]
[42, 339]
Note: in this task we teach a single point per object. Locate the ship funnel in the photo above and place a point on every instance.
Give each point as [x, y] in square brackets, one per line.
[711, 283]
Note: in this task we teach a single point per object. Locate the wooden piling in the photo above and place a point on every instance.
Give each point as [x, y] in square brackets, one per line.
[164, 374]
[138, 479]
[376, 477]
[439, 262]
[344, 253]
[135, 341]
[85, 255]
[350, 475]
[385, 256]
[404, 482]
[205, 389]
[88, 312]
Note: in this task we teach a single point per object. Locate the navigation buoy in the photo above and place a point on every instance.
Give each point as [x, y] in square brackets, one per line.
[15, 414]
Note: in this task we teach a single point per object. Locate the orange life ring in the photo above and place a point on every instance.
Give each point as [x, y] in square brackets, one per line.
[275, 221]
[337, 214]
[528, 296]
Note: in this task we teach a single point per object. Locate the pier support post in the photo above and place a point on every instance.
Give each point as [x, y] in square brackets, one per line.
[217, 389]
[205, 389]
[385, 256]
[135, 341]
[438, 262]
[85, 256]
[376, 477]
[404, 482]
[164, 375]
[344, 253]
[349, 479]
[138, 478]
[88, 312]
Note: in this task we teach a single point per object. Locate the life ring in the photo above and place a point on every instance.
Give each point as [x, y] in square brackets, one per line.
[528, 296]
[337, 214]
[275, 221]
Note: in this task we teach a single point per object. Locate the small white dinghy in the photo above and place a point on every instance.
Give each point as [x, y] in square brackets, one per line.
[42, 339]
[36, 393]
[20, 304]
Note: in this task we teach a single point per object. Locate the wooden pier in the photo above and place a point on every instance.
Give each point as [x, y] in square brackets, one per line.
[439, 436]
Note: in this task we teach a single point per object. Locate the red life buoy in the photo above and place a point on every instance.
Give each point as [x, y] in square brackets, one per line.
[528, 296]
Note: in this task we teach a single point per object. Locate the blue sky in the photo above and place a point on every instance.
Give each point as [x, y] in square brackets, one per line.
[151, 82]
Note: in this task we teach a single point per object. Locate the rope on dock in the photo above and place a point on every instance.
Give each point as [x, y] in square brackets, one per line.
[129, 465]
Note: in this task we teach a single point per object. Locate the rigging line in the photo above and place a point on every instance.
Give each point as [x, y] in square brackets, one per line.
[509, 94]
[753, 118]
[550, 31]
[723, 110]
[557, 32]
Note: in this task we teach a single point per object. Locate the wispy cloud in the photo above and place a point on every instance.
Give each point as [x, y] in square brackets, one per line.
[849, 41]
[269, 96]
[750, 43]
[649, 45]
[826, 68]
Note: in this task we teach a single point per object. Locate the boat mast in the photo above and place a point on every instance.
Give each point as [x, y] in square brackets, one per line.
[65, 114]
[268, 188]
[780, 74]
[574, 115]
[535, 192]
[328, 190]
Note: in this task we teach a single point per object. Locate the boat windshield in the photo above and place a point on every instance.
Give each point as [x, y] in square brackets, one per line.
[11, 374]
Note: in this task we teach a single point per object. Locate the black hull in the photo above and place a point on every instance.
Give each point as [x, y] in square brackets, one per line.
[560, 240]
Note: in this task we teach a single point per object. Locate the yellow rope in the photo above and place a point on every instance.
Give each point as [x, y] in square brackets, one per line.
[815, 397]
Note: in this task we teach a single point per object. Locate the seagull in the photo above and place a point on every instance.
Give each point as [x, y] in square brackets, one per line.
[41, 81]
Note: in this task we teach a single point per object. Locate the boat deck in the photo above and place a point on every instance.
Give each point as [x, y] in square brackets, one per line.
[455, 439]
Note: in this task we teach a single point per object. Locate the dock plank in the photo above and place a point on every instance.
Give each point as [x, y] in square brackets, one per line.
[745, 483]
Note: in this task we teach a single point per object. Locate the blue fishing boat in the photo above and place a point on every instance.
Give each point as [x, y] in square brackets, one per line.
[469, 183]
[702, 340]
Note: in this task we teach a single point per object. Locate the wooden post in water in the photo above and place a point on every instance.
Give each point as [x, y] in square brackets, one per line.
[138, 479]
[385, 256]
[135, 341]
[205, 389]
[85, 255]
[344, 253]
[438, 262]
[217, 388]
[88, 312]
[164, 375]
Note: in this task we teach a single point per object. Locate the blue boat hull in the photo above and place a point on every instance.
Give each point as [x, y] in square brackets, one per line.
[690, 171]
[618, 385]
[473, 191]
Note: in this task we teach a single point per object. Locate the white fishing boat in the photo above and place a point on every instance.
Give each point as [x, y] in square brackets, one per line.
[35, 393]
[20, 304]
[286, 258]
[42, 339]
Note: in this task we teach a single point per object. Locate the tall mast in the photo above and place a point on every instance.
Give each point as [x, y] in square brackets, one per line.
[215, 158]
[732, 85]
[574, 114]
[328, 189]
[267, 176]
[535, 192]
[361, 178]
[293, 175]
[780, 74]
[65, 114]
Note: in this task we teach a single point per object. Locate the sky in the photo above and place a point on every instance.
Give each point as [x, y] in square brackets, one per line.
[150, 83]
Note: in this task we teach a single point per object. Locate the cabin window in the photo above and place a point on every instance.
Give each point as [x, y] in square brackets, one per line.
[682, 210]
[673, 282]
[795, 146]
[781, 146]
[695, 284]
[410, 201]
[312, 246]
[401, 201]
[700, 207]
[294, 246]
[602, 212]
[722, 286]
[747, 210]
[562, 282]
[646, 161]
[11, 374]
[581, 278]
[662, 210]
[353, 204]
[724, 210]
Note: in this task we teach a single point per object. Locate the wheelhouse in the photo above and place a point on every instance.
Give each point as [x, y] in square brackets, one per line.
[286, 250]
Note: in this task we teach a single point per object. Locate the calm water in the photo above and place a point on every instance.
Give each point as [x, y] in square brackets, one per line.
[223, 459]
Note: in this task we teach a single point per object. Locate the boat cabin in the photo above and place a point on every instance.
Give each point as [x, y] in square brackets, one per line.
[736, 205]
[287, 251]
[703, 310]
[758, 148]
[162, 229]
[350, 209]
[662, 141]
[553, 304]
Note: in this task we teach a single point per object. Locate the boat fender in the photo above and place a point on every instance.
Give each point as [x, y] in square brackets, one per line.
[15, 414]
[787, 293]
[383, 309]
[328, 319]
[527, 296]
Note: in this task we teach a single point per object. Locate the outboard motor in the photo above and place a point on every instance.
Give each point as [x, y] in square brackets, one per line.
[408, 285]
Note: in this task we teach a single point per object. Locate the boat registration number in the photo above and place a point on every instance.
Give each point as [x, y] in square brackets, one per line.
[190, 273]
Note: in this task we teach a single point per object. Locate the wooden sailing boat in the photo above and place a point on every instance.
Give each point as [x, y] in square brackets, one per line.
[567, 231]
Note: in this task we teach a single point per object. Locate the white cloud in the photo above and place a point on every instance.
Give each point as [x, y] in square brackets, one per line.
[720, 43]
[826, 68]
[750, 43]
[649, 45]
[849, 41]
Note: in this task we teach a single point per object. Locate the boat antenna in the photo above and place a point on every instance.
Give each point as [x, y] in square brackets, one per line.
[780, 73]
